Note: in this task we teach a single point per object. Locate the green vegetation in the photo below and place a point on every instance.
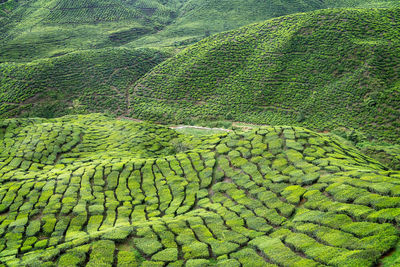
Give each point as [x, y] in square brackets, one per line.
[81, 82]
[62, 57]
[80, 188]
[42, 29]
[199, 18]
[34, 29]
[196, 131]
[89, 189]
[388, 154]
[325, 69]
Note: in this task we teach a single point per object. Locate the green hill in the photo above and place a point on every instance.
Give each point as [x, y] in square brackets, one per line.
[33, 29]
[79, 82]
[90, 190]
[57, 57]
[323, 69]
[37, 29]
[60, 57]
[198, 18]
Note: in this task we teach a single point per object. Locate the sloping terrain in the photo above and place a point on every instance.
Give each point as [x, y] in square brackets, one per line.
[60, 57]
[199, 18]
[90, 80]
[321, 69]
[33, 29]
[39, 29]
[90, 190]
[37, 35]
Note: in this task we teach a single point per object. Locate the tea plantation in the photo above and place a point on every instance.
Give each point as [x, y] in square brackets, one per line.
[199, 18]
[59, 57]
[34, 29]
[323, 69]
[90, 190]
[79, 82]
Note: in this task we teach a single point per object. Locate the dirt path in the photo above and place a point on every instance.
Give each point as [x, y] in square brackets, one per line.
[199, 127]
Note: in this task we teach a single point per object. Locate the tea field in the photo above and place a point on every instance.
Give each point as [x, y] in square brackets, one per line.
[34, 29]
[89, 190]
[82, 188]
[323, 70]
[80, 82]
[63, 57]
[198, 18]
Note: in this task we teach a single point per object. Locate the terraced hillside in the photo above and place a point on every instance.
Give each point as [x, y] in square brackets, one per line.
[51, 50]
[34, 29]
[90, 80]
[322, 69]
[90, 190]
[198, 18]
[40, 29]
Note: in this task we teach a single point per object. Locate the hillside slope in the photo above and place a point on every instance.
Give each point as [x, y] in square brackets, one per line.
[74, 36]
[198, 18]
[38, 29]
[79, 82]
[90, 190]
[321, 69]
[32, 29]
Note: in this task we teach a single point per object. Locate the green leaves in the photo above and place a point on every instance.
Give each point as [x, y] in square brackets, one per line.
[121, 196]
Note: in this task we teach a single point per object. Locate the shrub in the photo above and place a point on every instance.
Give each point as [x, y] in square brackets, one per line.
[195, 250]
[118, 234]
[71, 259]
[33, 228]
[222, 247]
[249, 257]
[102, 253]
[148, 245]
[197, 263]
[169, 254]
[127, 259]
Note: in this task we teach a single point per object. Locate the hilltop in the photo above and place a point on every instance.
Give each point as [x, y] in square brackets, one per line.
[322, 69]
[34, 29]
[199, 18]
[60, 57]
[97, 191]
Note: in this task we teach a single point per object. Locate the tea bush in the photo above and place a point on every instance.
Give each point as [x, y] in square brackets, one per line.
[121, 195]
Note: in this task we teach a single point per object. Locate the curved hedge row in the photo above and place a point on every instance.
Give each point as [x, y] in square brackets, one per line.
[89, 190]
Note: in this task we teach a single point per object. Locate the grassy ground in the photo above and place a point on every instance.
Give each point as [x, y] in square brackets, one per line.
[91, 190]
[197, 131]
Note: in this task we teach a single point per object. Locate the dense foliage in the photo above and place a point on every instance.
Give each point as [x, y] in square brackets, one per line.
[91, 190]
[199, 18]
[84, 81]
[324, 69]
[36, 29]
[60, 57]
[33, 29]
